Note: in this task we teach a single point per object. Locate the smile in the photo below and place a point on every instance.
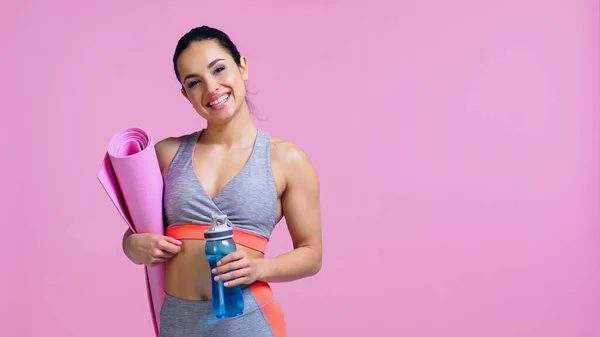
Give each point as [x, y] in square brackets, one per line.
[219, 100]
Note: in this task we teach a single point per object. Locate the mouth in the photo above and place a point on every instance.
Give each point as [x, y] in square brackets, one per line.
[219, 102]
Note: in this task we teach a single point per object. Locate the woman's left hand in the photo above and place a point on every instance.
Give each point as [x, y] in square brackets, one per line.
[237, 268]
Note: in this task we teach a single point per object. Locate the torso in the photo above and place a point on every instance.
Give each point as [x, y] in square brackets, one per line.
[188, 273]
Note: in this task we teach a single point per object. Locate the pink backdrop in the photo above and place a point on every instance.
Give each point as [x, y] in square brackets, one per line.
[460, 185]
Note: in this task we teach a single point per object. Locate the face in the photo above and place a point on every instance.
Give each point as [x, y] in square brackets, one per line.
[212, 81]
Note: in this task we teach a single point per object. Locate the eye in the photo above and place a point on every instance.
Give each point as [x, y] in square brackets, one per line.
[192, 83]
[218, 70]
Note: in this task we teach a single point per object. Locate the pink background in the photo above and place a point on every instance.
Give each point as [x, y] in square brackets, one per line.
[460, 185]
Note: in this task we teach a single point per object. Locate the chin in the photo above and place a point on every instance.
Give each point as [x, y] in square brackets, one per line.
[221, 119]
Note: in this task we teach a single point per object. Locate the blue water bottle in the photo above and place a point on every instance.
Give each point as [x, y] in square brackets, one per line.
[226, 301]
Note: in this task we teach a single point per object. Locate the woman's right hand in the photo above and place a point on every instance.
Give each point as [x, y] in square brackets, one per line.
[149, 249]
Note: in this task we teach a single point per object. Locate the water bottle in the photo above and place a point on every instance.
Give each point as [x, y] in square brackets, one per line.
[226, 301]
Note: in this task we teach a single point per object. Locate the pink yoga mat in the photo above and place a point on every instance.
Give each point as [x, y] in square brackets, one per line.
[131, 177]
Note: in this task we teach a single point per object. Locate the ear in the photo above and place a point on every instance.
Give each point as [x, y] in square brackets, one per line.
[184, 93]
[244, 67]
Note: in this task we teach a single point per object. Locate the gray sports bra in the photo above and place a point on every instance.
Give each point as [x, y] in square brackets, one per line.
[249, 200]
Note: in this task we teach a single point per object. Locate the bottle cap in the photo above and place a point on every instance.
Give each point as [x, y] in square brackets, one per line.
[219, 228]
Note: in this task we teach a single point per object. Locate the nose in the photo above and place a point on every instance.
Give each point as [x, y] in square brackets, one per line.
[211, 87]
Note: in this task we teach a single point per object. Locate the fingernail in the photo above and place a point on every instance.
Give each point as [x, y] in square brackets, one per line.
[179, 242]
[226, 284]
[219, 263]
[217, 278]
[213, 271]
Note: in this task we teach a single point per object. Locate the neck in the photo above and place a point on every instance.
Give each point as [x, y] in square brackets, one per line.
[237, 132]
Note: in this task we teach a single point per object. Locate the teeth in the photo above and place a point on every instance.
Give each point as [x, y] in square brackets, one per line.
[219, 101]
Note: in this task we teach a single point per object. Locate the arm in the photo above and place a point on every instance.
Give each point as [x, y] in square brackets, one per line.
[125, 246]
[301, 207]
[146, 248]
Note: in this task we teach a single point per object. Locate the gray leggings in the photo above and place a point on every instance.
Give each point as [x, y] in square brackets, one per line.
[262, 317]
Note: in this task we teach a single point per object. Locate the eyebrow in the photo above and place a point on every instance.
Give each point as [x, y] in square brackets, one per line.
[209, 66]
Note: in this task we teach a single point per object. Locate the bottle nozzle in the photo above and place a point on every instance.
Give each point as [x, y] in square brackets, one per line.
[218, 220]
[219, 227]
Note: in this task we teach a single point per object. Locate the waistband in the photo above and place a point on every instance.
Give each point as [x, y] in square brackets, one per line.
[198, 313]
[260, 290]
[196, 232]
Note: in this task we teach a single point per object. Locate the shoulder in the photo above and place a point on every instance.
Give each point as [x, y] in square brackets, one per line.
[168, 144]
[166, 149]
[293, 161]
[287, 153]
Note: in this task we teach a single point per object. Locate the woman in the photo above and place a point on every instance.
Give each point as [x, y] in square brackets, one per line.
[229, 168]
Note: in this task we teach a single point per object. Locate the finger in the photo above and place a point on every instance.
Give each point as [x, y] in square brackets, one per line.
[166, 255]
[156, 262]
[239, 264]
[172, 240]
[233, 275]
[157, 253]
[231, 257]
[238, 281]
[169, 247]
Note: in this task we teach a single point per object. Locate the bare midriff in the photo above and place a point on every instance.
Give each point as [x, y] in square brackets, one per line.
[188, 272]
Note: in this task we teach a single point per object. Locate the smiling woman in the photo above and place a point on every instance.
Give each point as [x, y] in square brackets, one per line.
[231, 168]
[213, 83]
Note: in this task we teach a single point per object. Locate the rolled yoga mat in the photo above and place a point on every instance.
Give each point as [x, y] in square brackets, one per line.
[131, 176]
